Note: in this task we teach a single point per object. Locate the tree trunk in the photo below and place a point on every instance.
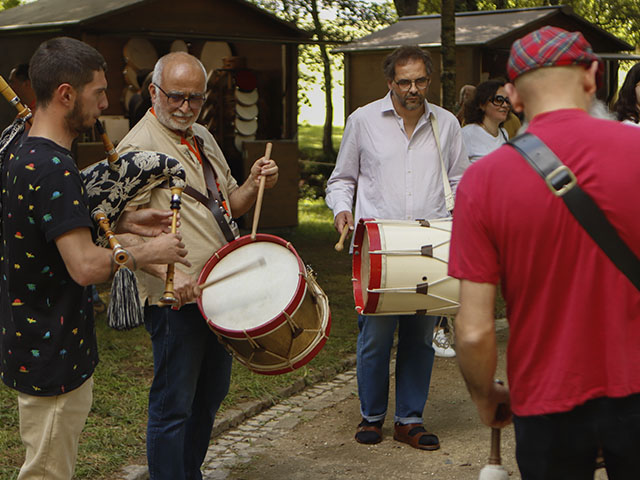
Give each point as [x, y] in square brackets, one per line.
[327, 132]
[448, 53]
[327, 142]
[406, 7]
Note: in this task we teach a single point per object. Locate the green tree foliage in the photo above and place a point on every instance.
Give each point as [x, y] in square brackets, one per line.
[330, 22]
[618, 17]
[6, 4]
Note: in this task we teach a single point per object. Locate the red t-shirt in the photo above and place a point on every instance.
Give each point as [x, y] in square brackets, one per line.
[574, 317]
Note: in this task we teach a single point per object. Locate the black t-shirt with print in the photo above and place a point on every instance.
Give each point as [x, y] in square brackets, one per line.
[48, 335]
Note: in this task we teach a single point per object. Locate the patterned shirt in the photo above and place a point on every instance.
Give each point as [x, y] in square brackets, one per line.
[48, 342]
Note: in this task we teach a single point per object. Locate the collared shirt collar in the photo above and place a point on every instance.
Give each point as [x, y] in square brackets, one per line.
[387, 106]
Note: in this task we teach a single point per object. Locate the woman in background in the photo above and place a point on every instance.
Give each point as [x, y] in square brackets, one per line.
[627, 107]
[484, 116]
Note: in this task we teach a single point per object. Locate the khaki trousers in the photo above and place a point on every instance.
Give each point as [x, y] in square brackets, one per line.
[50, 429]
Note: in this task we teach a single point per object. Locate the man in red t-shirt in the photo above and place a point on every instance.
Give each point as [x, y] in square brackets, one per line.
[574, 345]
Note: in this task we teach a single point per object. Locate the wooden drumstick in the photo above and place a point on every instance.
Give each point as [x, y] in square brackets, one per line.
[169, 298]
[256, 263]
[340, 245]
[263, 179]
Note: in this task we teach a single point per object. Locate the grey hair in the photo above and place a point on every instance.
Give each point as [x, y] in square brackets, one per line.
[158, 69]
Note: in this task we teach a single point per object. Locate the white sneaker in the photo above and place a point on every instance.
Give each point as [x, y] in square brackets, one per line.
[442, 345]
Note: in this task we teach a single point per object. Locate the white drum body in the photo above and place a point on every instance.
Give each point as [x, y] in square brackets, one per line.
[400, 267]
[264, 305]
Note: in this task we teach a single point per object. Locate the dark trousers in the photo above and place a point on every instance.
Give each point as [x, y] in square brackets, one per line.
[564, 446]
[192, 371]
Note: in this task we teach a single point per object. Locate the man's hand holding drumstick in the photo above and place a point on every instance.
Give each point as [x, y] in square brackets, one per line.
[343, 223]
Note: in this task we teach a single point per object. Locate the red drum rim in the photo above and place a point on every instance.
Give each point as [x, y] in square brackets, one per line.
[369, 226]
[278, 320]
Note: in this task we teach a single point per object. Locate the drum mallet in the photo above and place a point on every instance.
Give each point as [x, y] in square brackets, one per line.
[494, 469]
[345, 231]
[263, 179]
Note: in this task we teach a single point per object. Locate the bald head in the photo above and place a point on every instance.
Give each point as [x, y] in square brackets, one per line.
[177, 90]
[176, 63]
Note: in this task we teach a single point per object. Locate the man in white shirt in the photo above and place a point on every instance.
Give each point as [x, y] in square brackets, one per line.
[389, 154]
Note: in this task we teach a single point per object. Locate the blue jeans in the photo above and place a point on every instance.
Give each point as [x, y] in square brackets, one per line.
[563, 446]
[192, 371]
[414, 361]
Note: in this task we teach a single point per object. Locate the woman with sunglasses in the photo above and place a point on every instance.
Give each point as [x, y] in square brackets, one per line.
[627, 107]
[484, 115]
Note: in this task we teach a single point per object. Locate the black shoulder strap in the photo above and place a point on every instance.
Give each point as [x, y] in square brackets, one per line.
[563, 183]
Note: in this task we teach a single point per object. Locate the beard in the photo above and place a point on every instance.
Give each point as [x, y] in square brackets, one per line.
[171, 120]
[77, 120]
[410, 101]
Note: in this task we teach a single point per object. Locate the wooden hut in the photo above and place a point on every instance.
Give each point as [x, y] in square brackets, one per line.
[240, 44]
[483, 40]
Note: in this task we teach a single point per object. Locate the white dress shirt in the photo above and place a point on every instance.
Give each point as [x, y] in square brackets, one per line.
[396, 178]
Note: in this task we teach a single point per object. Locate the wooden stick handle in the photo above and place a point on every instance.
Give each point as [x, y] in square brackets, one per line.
[494, 456]
[168, 297]
[11, 96]
[263, 179]
[340, 245]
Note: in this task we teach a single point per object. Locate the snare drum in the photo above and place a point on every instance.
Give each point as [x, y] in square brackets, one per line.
[264, 305]
[400, 267]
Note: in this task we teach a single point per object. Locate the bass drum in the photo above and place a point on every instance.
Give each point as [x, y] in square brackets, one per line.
[400, 267]
[264, 305]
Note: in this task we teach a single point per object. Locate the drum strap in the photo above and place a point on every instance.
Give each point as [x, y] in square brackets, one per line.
[448, 194]
[563, 183]
[214, 199]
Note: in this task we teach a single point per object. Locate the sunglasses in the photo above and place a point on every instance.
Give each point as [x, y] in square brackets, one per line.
[177, 99]
[499, 100]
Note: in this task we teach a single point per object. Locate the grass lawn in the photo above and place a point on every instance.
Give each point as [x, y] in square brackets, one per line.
[115, 432]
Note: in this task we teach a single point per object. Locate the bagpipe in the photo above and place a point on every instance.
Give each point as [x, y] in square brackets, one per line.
[110, 185]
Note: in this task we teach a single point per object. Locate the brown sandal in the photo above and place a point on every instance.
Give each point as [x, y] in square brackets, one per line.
[415, 435]
[369, 433]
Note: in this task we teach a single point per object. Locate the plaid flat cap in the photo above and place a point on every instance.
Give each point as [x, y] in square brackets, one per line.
[550, 47]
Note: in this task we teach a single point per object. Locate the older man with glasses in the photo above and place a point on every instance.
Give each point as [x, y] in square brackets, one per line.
[191, 368]
[390, 156]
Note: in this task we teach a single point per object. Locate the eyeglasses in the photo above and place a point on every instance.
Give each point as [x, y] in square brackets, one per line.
[405, 84]
[177, 99]
[499, 100]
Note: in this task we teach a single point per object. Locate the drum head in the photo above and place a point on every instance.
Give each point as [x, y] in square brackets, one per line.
[179, 46]
[247, 98]
[246, 127]
[140, 54]
[261, 279]
[246, 112]
[212, 54]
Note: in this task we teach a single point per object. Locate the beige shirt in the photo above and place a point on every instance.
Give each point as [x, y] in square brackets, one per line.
[199, 230]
